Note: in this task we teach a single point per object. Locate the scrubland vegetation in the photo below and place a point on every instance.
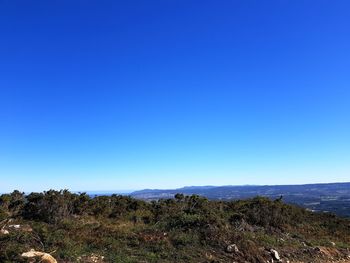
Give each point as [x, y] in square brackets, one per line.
[78, 228]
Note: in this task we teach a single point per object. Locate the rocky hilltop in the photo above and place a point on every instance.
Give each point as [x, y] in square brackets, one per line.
[58, 226]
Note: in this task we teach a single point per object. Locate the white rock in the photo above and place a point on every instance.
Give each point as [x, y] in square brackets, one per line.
[44, 257]
[232, 248]
[15, 226]
[275, 254]
[4, 232]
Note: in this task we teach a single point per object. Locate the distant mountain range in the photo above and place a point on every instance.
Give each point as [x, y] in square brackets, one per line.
[332, 197]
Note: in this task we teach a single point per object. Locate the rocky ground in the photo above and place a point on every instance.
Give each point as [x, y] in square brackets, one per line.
[308, 254]
[65, 228]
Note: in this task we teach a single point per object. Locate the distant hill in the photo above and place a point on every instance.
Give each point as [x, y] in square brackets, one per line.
[332, 197]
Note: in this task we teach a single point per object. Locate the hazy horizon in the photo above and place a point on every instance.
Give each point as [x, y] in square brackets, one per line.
[189, 186]
[164, 94]
[127, 191]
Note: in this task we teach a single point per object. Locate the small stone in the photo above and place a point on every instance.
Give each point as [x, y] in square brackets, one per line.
[232, 248]
[4, 232]
[275, 254]
[15, 226]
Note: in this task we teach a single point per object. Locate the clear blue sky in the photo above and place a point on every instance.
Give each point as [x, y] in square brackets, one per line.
[117, 95]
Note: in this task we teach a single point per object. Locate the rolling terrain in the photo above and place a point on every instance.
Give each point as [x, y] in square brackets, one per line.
[332, 197]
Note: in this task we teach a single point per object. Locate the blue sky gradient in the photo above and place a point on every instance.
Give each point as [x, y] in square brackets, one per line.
[118, 95]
